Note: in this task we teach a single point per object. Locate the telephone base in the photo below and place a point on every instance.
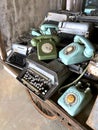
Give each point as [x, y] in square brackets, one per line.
[75, 99]
[73, 57]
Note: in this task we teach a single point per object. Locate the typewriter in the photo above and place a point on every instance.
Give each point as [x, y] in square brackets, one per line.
[17, 59]
[17, 55]
[43, 78]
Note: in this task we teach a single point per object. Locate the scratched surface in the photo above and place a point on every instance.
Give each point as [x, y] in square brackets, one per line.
[93, 118]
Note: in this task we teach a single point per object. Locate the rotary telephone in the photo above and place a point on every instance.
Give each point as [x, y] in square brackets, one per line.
[46, 46]
[75, 98]
[77, 52]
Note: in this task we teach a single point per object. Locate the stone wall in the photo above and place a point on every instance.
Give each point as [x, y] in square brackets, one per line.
[18, 16]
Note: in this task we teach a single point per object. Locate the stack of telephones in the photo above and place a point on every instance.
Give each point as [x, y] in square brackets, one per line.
[51, 64]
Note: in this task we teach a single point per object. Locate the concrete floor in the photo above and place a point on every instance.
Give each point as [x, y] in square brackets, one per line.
[16, 109]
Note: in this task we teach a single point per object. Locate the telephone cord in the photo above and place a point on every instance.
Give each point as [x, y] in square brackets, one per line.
[74, 82]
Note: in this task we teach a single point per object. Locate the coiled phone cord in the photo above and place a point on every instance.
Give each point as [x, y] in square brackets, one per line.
[74, 82]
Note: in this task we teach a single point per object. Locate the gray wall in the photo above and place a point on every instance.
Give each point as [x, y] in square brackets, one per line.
[18, 16]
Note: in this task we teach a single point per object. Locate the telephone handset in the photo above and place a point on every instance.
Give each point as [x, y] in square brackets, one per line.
[37, 40]
[78, 51]
[89, 49]
[45, 29]
[48, 29]
[46, 46]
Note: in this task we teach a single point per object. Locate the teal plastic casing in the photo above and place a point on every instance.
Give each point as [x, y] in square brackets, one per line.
[78, 51]
[35, 32]
[81, 99]
[48, 29]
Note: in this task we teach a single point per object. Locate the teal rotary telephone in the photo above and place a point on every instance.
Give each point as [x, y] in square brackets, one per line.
[75, 98]
[78, 51]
